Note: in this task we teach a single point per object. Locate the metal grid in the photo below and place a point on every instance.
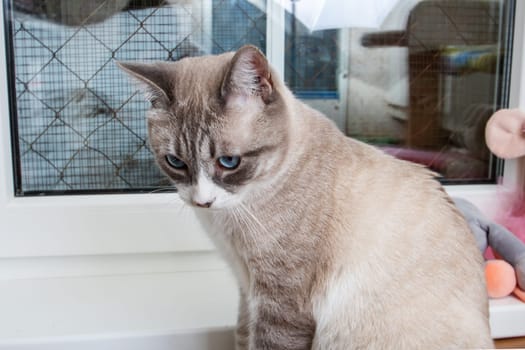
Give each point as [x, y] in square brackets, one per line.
[456, 63]
[80, 122]
[311, 60]
[456, 75]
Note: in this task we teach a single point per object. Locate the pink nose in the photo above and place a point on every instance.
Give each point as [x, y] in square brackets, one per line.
[203, 205]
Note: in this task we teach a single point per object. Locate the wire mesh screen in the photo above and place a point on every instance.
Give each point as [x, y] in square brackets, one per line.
[421, 88]
[80, 122]
[311, 59]
[424, 90]
[456, 82]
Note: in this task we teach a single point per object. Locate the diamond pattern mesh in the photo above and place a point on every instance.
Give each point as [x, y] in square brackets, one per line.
[80, 122]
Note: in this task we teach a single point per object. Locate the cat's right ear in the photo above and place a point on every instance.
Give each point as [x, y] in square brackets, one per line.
[153, 80]
[249, 74]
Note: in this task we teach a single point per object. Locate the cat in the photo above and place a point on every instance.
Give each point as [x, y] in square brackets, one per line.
[335, 245]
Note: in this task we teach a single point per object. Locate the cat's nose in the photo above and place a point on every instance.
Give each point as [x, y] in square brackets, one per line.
[203, 204]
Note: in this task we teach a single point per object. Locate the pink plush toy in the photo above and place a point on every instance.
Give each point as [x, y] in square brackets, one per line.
[505, 133]
[505, 137]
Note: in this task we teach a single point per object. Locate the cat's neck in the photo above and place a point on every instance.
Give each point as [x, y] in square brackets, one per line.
[295, 171]
[298, 138]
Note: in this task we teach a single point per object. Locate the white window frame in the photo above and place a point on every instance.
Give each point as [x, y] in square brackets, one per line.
[80, 225]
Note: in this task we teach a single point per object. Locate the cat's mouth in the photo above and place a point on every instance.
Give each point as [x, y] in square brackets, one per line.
[208, 200]
[214, 205]
[203, 204]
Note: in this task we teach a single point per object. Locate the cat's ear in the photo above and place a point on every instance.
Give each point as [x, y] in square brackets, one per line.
[249, 75]
[153, 79]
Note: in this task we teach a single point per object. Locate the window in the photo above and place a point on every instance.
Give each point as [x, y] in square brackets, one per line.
[79, 123]
[421, 87]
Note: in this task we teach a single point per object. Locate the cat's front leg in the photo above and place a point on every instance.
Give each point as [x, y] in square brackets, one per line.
[242, 331]
[279, 324]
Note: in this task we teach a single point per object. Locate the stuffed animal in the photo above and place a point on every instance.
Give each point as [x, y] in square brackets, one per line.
[503, 276]
[505, 133]
[505, 137]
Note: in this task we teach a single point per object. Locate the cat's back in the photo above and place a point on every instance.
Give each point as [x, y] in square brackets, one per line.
[402, 256]
[366, 186]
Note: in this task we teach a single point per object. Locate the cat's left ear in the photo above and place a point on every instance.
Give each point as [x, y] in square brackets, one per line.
[153, 79]
[249, 75]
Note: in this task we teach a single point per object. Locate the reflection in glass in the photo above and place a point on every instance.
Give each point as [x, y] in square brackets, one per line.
[421, 86]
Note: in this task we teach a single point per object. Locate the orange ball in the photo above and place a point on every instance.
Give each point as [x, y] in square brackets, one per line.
[501, 278]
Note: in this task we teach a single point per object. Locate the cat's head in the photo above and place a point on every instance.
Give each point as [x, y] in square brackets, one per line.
[218, 125]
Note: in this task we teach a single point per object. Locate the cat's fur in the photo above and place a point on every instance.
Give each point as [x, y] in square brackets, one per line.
[335, 245]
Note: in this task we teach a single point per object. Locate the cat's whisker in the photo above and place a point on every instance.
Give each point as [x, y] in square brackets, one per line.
[172, 200]
[260, 226]
[251, 232]
[236, 220]
[170, 191]
[182, 208]
[241, 221]
[260, 229]
[163, 189]
[252, 219]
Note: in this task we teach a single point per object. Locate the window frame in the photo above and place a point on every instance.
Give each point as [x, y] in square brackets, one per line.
[76, 225]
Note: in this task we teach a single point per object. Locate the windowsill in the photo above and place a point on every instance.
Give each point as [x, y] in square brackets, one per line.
[63, 313]
[149, 311]
[507, 317]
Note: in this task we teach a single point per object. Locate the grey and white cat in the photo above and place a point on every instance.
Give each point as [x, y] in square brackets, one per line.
[335, 245]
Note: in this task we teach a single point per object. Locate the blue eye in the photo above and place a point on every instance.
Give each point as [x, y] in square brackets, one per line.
[175, 162]
[229, 162]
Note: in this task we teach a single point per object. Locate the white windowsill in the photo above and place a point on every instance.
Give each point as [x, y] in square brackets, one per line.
[153, 311]
[150, 311]
[507, 317]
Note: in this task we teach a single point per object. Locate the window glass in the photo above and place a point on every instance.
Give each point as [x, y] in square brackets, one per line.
[419, 83]
[80, 123]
